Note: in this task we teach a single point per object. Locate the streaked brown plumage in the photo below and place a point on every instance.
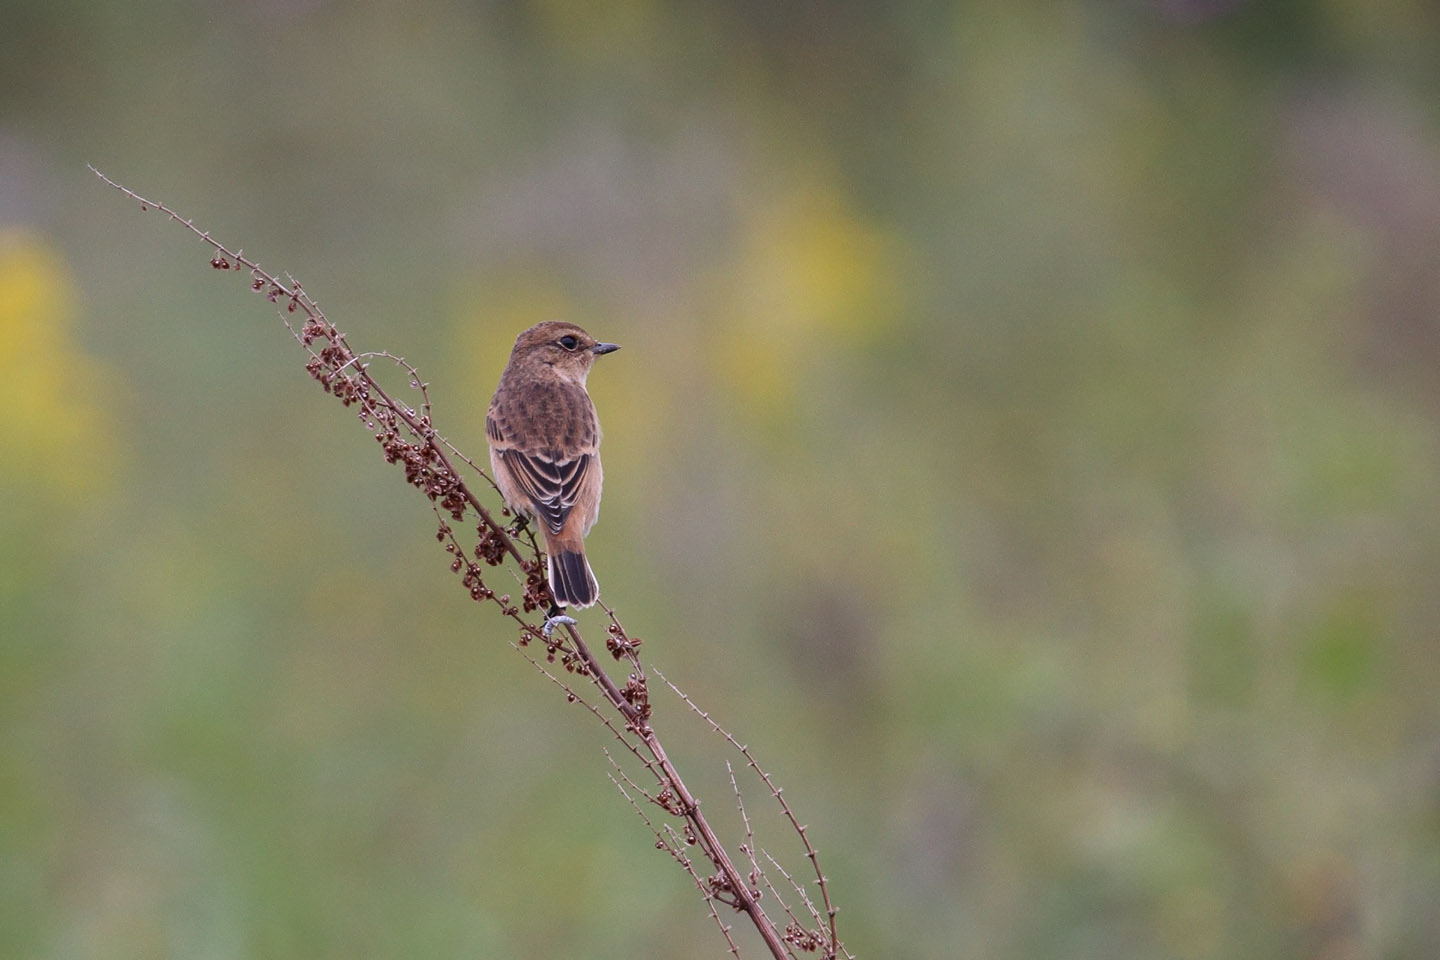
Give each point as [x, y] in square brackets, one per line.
[545, 448]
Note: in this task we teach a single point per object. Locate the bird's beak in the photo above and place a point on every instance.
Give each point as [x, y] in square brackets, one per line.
[602, 348]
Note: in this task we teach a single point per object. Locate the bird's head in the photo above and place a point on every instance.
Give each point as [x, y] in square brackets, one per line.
[568, 349]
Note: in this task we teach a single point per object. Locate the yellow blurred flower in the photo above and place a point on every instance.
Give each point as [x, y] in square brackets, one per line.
[813, 278]
[53, 432]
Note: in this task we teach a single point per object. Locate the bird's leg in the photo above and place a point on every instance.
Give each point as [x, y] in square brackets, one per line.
[554, 618]
[522, 520]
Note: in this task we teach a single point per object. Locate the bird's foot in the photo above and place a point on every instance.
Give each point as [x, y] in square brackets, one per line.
[555, 618]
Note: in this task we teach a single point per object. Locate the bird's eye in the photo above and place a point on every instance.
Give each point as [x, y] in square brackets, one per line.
[569, 342]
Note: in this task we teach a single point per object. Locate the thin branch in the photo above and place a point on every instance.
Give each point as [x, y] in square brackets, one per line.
[673, 848]
[749, 845]
[574, 697]
[795, 884]
[810, 852]
[629, 780]
[709, 896]
[794, 920]
[797, 933]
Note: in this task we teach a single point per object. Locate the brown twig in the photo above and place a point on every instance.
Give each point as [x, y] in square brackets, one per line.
[796, 932]
[779, 794]
[748, 847]
[673, 846]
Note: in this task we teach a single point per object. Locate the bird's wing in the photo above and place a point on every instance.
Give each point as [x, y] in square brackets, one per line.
[552, 484]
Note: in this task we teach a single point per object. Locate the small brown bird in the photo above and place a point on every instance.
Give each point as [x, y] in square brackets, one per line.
[545, 450]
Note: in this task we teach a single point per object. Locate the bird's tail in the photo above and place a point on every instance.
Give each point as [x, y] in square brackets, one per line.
[572, 582]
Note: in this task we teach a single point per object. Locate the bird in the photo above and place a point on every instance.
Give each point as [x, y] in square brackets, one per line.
[545, 452]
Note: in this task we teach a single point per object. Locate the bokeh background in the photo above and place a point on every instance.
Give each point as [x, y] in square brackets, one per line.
[1025, 438]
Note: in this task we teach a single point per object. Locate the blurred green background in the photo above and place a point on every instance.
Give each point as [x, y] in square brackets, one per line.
[1025, 438]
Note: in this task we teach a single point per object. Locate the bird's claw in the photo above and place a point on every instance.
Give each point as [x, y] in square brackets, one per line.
[554, 620]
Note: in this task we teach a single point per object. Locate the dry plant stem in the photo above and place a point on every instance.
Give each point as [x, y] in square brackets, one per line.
[810, 852]
[769, 885]
[336, 365]
[748, 848]
[675, 849]
[797, 932]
